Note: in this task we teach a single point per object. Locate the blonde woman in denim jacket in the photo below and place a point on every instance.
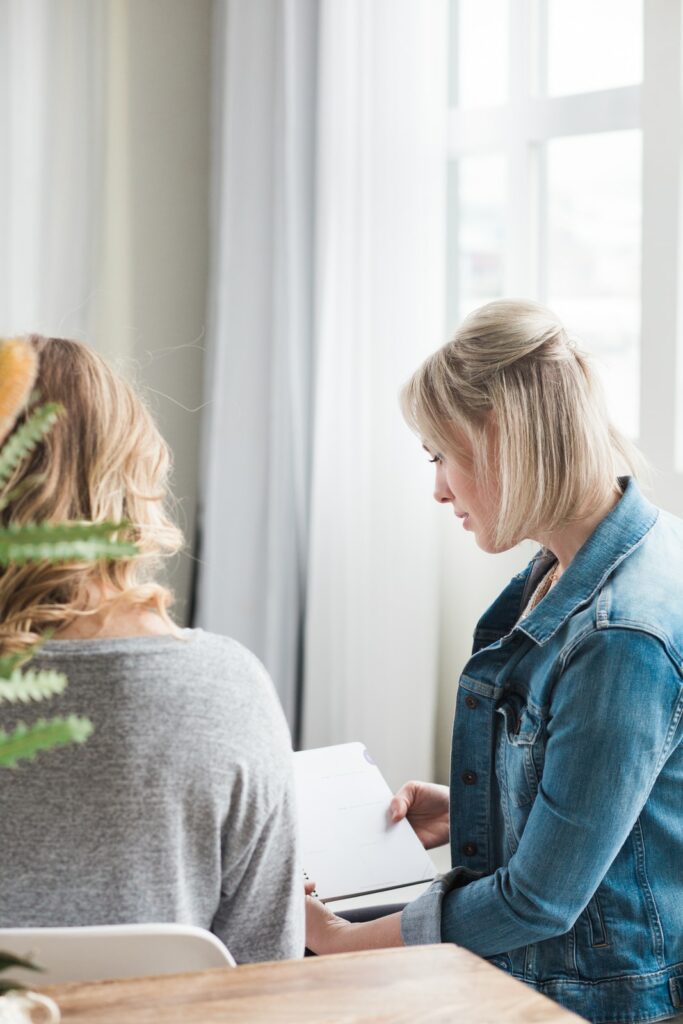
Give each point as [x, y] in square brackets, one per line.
[565, 806]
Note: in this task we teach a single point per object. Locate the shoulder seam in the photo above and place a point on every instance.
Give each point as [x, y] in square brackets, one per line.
[623, 625]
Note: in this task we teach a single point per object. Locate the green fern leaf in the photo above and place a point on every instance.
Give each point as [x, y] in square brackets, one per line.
[23, 687]
[10, 662]
[70, 530]
[24, 742]
[9, 960]
[25, 438]
[62, 542]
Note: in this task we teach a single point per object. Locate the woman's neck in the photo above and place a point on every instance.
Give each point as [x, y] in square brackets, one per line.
[109, 622]
[565, 543]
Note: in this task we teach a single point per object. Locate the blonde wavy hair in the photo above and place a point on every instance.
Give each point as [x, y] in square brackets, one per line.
[516, 400]
[104, 460]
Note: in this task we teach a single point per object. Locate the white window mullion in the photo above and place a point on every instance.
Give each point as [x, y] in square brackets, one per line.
[541, 119]
[453, 248]
[519, 182]
[584, 114]
[541, 223]
[453, 49]
[452, 310]
[662, 267]
[538, 28]
[520, 241]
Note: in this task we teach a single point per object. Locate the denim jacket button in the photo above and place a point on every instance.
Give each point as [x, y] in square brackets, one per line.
[469, 849]
[471, 702]
[469, 778]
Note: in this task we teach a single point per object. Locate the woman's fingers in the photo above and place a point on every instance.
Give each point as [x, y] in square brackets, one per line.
[402, 801]
[309, 887]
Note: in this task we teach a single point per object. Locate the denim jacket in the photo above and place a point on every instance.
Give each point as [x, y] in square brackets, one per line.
[567, 779]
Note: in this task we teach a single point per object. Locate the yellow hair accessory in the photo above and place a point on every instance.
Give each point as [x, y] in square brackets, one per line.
[18, 368]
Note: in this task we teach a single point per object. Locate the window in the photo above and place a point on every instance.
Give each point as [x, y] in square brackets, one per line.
[593, 46]
[545, 172]
[592, 257]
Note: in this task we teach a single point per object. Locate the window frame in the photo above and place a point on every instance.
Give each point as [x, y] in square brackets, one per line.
[520, 128]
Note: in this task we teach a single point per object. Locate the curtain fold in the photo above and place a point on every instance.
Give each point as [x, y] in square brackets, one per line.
[372, 635]
[256, 464]
[51, 113]
[318, 537]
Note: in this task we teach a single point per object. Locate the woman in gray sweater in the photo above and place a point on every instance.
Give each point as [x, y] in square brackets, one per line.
[179, 807]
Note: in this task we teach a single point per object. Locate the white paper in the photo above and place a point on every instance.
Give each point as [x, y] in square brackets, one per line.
[350, 846]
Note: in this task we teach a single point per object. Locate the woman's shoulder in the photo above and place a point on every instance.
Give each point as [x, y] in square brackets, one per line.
[212, 679]
[225, 650]
[643, 591]
[231, 659]
[188, 659]
[237, 689]
[188, 643]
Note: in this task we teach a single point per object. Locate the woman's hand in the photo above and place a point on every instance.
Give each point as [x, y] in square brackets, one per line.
[325, 932]
[426, 806]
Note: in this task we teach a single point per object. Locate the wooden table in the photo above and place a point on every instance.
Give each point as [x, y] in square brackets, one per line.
[395, 986]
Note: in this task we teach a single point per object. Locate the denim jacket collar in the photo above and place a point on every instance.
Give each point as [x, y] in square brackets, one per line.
[614, 538]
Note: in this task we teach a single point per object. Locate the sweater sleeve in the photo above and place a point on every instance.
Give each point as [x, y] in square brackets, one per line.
[261, 910]
[601, 762]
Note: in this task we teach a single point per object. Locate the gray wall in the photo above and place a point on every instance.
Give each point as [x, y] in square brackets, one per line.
[151, 312]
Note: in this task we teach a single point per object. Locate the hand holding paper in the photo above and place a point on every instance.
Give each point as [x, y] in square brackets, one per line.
[350, 843]
[426, 805]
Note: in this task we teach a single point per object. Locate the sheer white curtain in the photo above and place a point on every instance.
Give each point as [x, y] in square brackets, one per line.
[51, 112]
[254, 504]
[371, 638]
[327, 291]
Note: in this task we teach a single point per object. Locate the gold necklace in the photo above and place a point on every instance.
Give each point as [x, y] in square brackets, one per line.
[543, 587]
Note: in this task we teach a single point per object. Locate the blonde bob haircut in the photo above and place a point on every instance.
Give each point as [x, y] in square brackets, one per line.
[516, 401]
[103, 460]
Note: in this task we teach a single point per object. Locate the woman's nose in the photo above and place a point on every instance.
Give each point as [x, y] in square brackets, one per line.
[442, 492]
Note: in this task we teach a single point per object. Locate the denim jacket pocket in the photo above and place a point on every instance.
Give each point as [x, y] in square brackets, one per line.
[520, 750]
[596, 923]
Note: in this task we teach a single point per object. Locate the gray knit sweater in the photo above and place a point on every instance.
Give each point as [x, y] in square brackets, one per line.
[178, 808]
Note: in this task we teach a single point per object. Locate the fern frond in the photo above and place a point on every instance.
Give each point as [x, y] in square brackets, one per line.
[23, 687]
[24, 742]
[9, 960]
[10, 662]
[62, 542]
[26, 437]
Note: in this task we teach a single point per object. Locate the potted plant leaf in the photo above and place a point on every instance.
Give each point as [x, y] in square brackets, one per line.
[17, 1004]
[30, 542]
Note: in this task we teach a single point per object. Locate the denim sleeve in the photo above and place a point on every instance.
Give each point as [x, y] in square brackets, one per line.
[421, 919]
[611, 726]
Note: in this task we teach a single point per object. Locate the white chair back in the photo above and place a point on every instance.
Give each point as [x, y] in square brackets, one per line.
[111, 951]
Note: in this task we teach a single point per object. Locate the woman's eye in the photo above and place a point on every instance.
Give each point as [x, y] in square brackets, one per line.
[435, 458]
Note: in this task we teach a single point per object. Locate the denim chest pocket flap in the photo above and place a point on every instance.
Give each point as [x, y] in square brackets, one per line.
[522, 726]
[519, 753]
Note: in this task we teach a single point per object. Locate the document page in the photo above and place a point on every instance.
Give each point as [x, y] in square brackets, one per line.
[350, 846]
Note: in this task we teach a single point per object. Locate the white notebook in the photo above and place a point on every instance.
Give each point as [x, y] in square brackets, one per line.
[350, 846]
